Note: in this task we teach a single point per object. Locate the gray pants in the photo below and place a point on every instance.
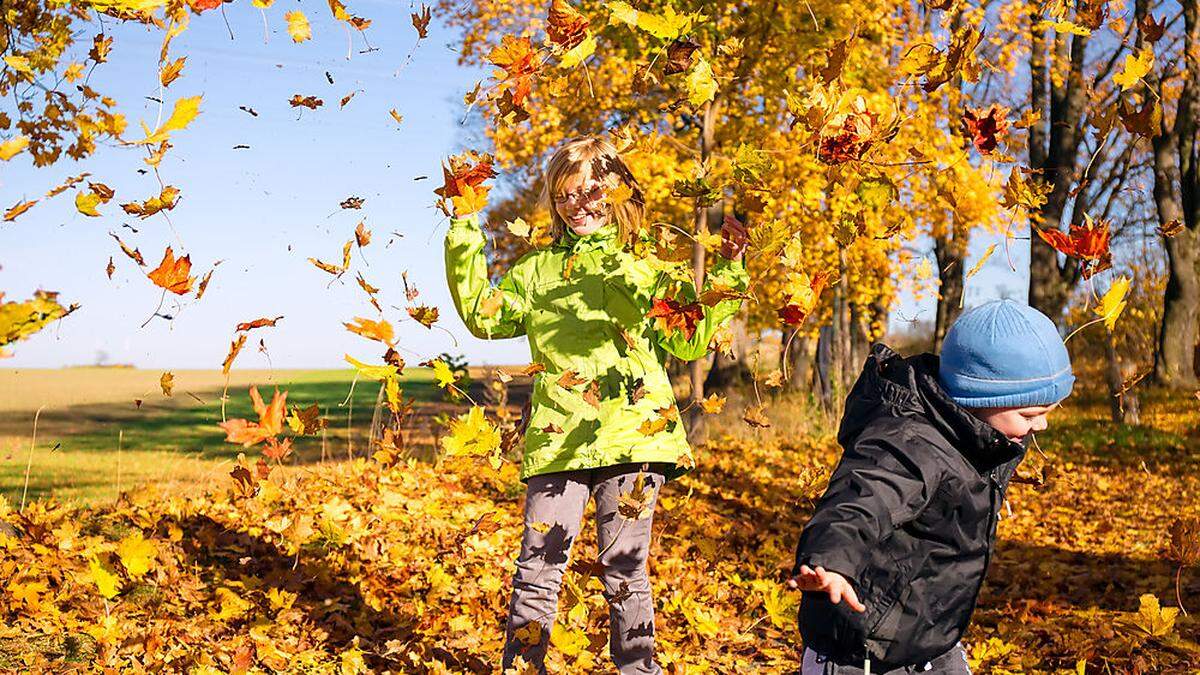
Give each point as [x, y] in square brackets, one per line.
[953, 662]
[554, 505]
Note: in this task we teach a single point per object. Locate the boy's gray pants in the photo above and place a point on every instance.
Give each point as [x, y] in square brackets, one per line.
[953, 662]
[554, 505]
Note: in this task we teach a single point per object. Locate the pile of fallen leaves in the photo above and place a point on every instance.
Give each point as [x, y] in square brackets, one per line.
[363, 567]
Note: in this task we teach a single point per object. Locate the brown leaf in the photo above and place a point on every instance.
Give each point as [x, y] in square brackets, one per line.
[257, 323]
[362, 235]
[570, 379]
[234, 348]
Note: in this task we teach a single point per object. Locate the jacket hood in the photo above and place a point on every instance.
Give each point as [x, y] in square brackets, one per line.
[891, 385]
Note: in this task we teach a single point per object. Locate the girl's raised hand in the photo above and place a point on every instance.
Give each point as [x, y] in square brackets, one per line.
[830, 582]
[734, 238]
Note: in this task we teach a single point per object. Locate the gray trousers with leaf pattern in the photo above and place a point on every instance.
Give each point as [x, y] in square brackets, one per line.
[554, 505]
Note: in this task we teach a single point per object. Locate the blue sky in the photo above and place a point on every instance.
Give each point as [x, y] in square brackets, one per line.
[263, 211]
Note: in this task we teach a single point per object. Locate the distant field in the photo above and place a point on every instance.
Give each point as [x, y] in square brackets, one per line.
[91, 433]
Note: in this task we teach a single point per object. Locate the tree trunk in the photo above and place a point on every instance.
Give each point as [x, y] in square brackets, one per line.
[797, 362]
[1123, 408]
[950, 287]
[1053, 149]
[725, 371]
[1174, 361]
[696, 423]
[1177, 198]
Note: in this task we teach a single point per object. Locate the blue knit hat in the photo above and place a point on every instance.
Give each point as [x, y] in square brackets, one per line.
[1005, 354]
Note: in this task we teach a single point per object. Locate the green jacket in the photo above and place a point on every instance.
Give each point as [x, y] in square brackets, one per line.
[593, 323]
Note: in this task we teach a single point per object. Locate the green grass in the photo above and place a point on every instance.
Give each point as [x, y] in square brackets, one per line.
[84, 450]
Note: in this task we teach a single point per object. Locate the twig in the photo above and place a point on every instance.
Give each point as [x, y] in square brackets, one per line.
[29, 463]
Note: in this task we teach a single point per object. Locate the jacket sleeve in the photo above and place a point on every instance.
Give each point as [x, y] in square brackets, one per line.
[726, 273]
[875, 488]
[472, 290]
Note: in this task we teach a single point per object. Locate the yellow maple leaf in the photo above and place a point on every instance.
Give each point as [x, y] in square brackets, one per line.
[472, 435]
[442, 373]
[380, 373]
[107, 582]
[1156, 620]
[577, 54]
[1113, 302]
[700, 83]
[186, 109]
[137, 554]
[297, 26]
[13, 146]
[1135, 68]
[86, 202]
[231, 605]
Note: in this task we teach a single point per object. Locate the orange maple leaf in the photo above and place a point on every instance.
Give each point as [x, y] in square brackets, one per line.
[172, 273]
[671, 315]
[270, 420]
[1088, 242]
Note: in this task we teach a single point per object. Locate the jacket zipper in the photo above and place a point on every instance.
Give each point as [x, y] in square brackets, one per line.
[993, 510]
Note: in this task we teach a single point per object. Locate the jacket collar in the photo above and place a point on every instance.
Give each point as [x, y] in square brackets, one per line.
[604, 238]
[897, 386]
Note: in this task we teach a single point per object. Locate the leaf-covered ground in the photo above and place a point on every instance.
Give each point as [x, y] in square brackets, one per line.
[357, 566]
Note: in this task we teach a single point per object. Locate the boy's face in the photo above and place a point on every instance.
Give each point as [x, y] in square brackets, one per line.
[1015, 423]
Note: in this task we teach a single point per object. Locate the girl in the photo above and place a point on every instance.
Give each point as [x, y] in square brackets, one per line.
[595, 430]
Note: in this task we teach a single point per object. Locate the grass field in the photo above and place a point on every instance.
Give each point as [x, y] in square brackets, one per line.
[92, 435]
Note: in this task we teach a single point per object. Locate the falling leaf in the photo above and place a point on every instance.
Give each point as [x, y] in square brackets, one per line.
[570, 379]
[372, 330]
[270, 420]
[165, 201]
[424, 315]
[256, 323]
[1170, 229]
[167, 383]
[635, 504]
[172, 273]
[86, 203]
[713, 404]
[984, 128]
[17, 209]
[671, 316]
[980, 263]
[13, 146]
[306, 421]
[755, 416]
[185, 110]
[362, 235]
[234, 348]
[518, 227]
[1088, 242]
[1113, 302]
[420, 21]
[1135, 67]
[310, 102]
[297, 26]
[442, 373]
[700, 83]
[133, 253]
[472, 435]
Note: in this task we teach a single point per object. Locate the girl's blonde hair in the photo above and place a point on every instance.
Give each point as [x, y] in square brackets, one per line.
[587, 157]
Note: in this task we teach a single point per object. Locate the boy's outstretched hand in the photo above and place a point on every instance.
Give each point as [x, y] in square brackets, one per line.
[830, 582]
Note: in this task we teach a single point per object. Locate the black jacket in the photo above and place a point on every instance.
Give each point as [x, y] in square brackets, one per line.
[909, 517]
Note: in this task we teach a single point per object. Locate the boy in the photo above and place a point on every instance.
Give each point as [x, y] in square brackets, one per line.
[893, 558]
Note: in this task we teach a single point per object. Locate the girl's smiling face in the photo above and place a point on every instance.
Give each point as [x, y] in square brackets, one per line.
[579, 201]
[1015, 423]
